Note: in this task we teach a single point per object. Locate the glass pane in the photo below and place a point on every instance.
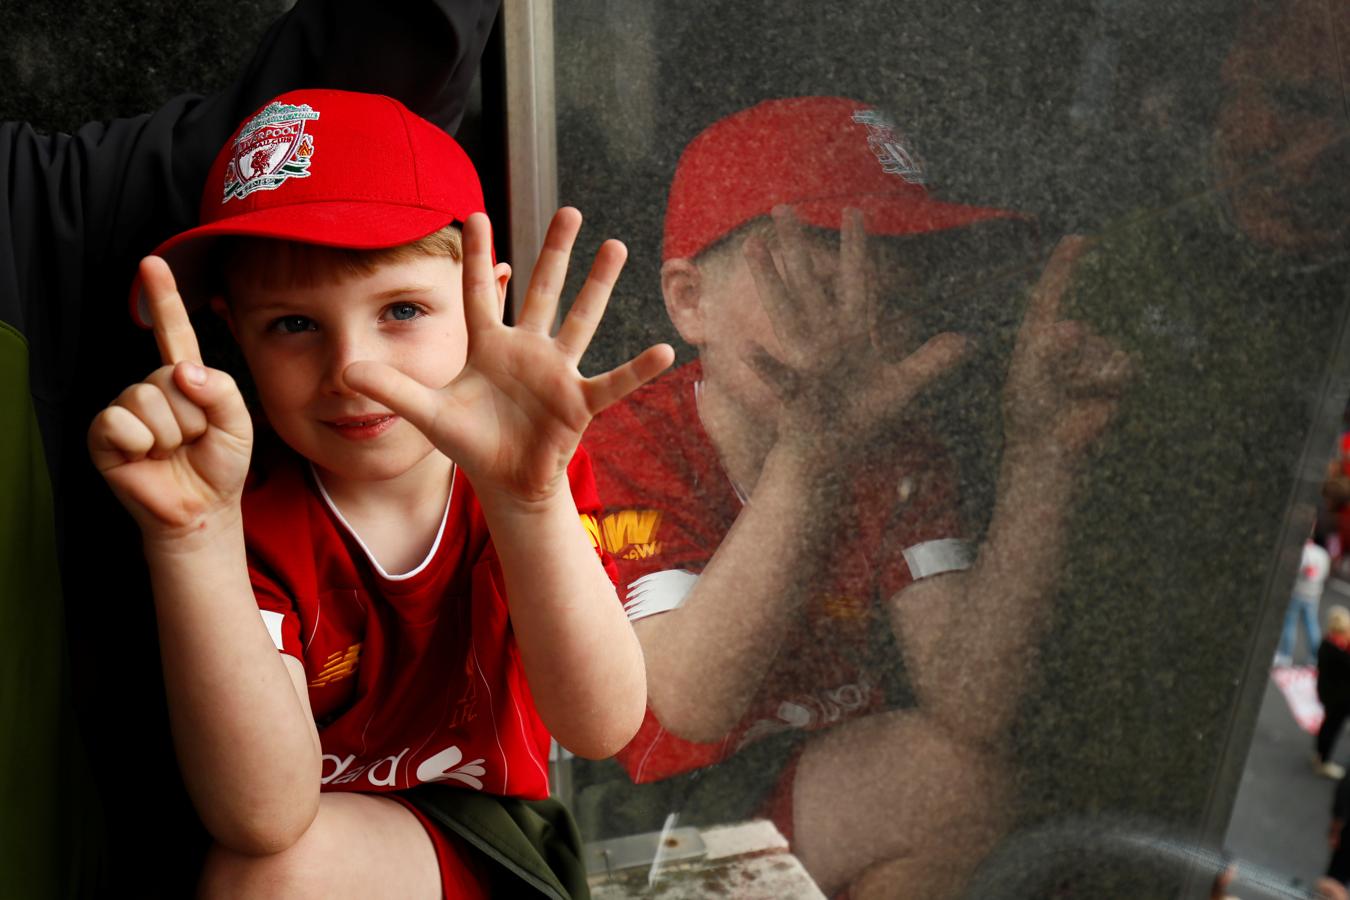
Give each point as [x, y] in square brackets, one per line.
[1010, 352]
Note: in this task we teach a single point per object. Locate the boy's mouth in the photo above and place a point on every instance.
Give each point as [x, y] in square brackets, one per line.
[360, 428]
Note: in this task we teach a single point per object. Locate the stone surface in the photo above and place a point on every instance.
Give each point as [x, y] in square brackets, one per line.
[747, 860]
[63, 64]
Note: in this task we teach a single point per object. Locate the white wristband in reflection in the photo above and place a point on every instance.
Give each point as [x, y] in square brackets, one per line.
[935, 557]
[658, 592]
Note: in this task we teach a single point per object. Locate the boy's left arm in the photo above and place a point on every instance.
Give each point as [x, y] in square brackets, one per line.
[512, 421]
[1063, 387]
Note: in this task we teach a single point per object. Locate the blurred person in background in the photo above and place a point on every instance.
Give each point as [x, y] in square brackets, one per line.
[1333, 689]
[1303, 604]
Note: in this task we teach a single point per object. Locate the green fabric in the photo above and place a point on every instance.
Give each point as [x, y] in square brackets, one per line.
[42, 843]
[534, 843]
[609, 805]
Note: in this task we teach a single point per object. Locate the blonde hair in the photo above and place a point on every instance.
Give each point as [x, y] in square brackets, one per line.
[270, 263]
[1338, 620]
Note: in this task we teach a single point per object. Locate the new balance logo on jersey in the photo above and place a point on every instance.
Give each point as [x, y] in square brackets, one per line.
[339, 665]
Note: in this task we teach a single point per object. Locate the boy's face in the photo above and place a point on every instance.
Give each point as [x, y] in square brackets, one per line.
[299, 340]
[921, 285]
[734, 317]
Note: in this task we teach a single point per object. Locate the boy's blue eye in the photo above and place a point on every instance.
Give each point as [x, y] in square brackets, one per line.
[293, 324]
[402, 312]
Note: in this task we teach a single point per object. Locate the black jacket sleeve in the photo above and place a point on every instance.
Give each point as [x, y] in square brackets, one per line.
[77, 211]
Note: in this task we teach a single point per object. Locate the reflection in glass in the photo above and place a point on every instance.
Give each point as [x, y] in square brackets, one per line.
[954, 527]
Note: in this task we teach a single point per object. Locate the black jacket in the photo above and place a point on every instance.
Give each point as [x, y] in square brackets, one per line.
[1333, 675]
[84, 732]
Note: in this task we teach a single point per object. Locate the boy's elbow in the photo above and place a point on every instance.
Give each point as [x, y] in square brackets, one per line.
[609, 734]
[265, 834]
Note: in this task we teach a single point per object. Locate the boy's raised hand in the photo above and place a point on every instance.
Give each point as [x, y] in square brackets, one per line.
[175, 447]
[836, 383]
[1064, 380]
[513, 417]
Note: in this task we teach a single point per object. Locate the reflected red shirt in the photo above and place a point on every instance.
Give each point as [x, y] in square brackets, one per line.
[668, 506]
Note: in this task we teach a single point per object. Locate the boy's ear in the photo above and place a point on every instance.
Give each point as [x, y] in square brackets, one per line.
[502, 272]
[682, 288]
[222, 309]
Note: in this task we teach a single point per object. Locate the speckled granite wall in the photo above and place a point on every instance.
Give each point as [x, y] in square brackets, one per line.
[63, 64]
[1198, 146]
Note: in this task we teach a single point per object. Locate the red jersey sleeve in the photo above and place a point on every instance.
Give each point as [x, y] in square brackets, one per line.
[581, 478]
[273, 523]
[278, 611]
[923, 534]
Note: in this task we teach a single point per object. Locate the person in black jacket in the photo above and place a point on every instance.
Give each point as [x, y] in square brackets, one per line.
[76, 213]
[1333, 687]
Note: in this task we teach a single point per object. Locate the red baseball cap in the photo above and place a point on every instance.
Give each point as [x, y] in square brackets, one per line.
[336, 168]
[820, 155]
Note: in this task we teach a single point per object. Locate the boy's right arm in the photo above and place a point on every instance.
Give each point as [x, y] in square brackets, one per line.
[175, 450]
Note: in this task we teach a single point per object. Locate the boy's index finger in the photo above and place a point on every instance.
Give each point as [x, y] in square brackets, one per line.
[852, 264]
[1043, 310]
[480, 288]
[173, 330]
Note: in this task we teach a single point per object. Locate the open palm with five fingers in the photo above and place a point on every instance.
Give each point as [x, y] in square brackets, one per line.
[837, 385]
[513, 417]
[174, 448]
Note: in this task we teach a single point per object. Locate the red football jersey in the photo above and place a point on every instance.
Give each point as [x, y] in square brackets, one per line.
[413, 677]
[669, 504]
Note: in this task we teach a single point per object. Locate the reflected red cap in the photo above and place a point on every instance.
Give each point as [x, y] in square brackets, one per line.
[336, 168]
[820, 155]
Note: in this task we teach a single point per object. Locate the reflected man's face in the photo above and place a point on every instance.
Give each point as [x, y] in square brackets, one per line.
[1283, 140]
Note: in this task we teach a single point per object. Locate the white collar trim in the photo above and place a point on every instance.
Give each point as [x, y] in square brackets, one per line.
[375, 563]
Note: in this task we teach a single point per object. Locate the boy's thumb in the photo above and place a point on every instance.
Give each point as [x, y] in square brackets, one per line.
[217, 395]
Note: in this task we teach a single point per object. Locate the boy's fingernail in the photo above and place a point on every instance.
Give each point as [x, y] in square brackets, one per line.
[195, 374]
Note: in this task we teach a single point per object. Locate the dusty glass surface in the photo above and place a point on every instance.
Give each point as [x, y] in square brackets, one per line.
[958, 544]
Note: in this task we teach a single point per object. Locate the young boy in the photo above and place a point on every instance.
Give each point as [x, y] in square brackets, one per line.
[788, 506]
[410, 527]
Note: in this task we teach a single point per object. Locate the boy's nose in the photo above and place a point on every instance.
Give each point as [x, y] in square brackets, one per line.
[343, 350]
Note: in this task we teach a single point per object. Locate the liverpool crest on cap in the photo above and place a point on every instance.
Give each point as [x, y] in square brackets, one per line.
[891, 147]
[271, 147]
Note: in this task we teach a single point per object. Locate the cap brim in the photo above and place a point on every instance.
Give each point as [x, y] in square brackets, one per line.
[898, 214]
[353, 225]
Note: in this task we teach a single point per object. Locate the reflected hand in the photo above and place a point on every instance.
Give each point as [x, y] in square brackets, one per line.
[835, 383]
[1329, 889]
[175, 447]
[1064, 380]
[513, 417]
[1219, 889]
